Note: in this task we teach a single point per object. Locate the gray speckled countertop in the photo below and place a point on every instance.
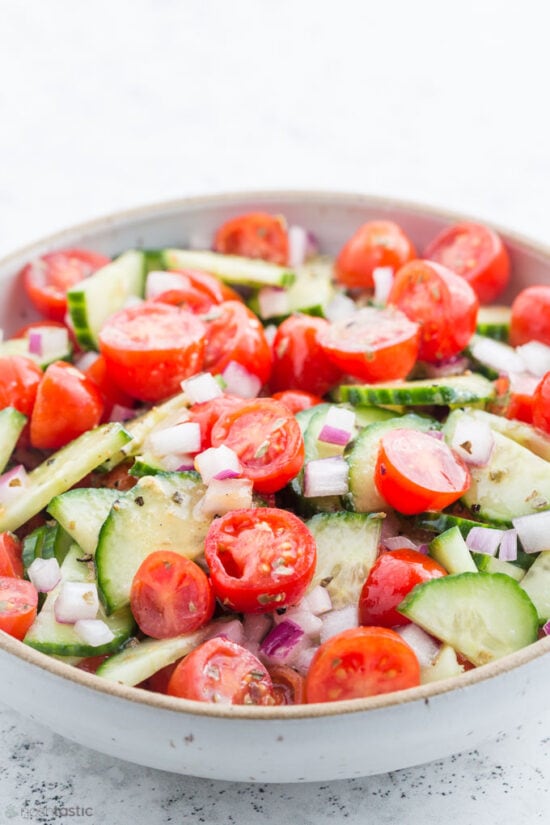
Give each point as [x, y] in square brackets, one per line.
[110, 104]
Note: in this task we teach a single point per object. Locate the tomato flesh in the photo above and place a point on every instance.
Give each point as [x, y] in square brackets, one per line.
[299, 360]
[289, 686]
[19, 381]
[375, 244]
[207, 413]
[18, 603]
[233, 333]
[10, 556]
[297, 400]
[530, 320]
[254, 235]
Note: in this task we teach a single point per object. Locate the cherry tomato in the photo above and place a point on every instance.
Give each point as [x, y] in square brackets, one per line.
[299, 361]
[443, 303]
[223, 672]
[260, 559]
[48, 278]
[297, 400]
[170, 595]
[363, 661]
[18, 602]
[255, 235]
[267, 439]
[416, 472]
[67, 405]
[91, 663]
[207, 413]
[289, 686]
[151, 348]
[373, 344]
[376, 243]
[477, 254]
[158, 682]
[392, 576]
[24, 331]
[10, 556]
[541, 404]
[19, 380]
[530, 319]
[234, 334]
[518, 400]
[112, 395]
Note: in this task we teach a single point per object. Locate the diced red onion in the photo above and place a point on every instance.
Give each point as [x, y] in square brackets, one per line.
[456, 365]
[303, 659]
[159, 281]
[177, 462]
[383, 279]
[399, 543]
[318, 600]
[35, 342]
[497, 355]
[76, 600]
[484, 540]
[338, 620]
[473, 441]
[533, 531]
[326, 477]
[424, 646]
[181, 438]
[523, 383]
[423, 548]
[298, 244]
[121, 413]
[273, 302]
[13, 484]
[45, 574]
[536, 357]
[240, 382]
[49, 342]
[255, 626]
[280, 643]
[338, 426]
[85, 361]
[95, 632]
[224, 495]
[232, 630]
[437, 434]
[215, 461]
[303, 617]
[270, 331]
[546, 629]
[341, 306]
[508, 549]
[202, 387]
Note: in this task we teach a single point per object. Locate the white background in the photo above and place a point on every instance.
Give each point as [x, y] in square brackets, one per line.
[106, 105]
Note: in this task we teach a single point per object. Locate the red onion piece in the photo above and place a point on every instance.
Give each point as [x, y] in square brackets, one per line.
[338, 620]
[340, 307]
[240, 382]
[281, 642]
[85, 361]
[215, 460]
[232, 630]
[484, 540]
[383, 279]
[424, 646]
[456, 365]
[45, 574]
[533, 531]
[318, 600]
[399, 543]
[224, 495]
[298, 244]
[13, 484]
[76, 600]
[497, 355]
[473, 440]
[303, 659]
[227, 473]
[332, 435]
[273, 302]
[159, 281]
[326, 477]
[255, 626]
[121, 413]
[181, 438]
[338, 426]
[546, 629]
[508, 550]
[536, 357]
[202, 387]
[95, 632]
[35, 342]
[303, 617]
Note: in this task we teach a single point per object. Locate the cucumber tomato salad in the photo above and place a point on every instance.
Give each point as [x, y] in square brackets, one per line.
[256, 475]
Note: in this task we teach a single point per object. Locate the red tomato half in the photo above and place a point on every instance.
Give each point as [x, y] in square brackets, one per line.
[235, 334]
[364, 661]
[267, 439]
[10, 556]
[18, 602]
[151, 348]
[67, 405]
[19, 380]
[97, 372]
[255, 235]
[299, 361]
[443, 303]
[208, 412]
[170, 595]
[373, 344]
[48, 278]
[376, 243]
[541, 404]
[477, 254]
[260, 559]
[416, 472]
[392, 576]
[297, 400]
[289, 686]
[223, 672]
[530, 319]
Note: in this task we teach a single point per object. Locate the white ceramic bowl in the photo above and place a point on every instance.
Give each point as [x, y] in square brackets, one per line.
[282, 744]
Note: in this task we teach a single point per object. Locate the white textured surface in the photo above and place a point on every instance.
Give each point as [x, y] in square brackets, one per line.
[109, 104]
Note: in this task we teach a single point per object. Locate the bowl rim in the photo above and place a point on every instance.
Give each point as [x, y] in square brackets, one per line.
[423, 693]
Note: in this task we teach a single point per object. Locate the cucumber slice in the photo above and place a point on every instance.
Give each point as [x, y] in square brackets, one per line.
[61, 471]
[12, 423]
[489, 564]
[232, 269]
[363, 453]
[454, 390]
[20, 346]
[40, 544]
[487, 355]
[526, 435]
[439, 522]
[444, 666]
[159, 513]
[92, 300]
[49, 636]
[452, 553]
[536, 584]
[134, 664]
[310, 293]
[347, 547]
[494, 322]
[483, 616]
[81, 513]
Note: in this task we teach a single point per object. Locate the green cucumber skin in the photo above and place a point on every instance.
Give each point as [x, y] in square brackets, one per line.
[82, 511]
[490, 564]
[455, 390]
[12, 423]
[232, 269]
[536, 584]
[450, 550]
[494, 322]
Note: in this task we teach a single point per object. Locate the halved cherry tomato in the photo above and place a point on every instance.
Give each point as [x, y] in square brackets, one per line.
[18, 602]
[48, 278]
[233, 333]
[297, 400]
[477, 254]
[98, 373]
[159, 681]
[443, 303]
[518, 397]
[91, 663]
[223, 672]
[373, 344]
[376, 243]
[299, 361]
[19, 380]
[260, 559]
[416, 472]
[10, 556]
[198, 291]
[207, 413]
[170, 595]
[267, 439]
[67, 405]
[211, 286]
[541, 404]
[289, 686]
[530, 319]
[150, 348]
[363, 661]
[254, 235]
[392, 576]
[23, 332]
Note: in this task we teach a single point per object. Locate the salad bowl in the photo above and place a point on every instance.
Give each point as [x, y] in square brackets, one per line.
[297, 743]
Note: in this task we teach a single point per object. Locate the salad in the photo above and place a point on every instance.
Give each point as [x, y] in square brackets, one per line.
[257, 475]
